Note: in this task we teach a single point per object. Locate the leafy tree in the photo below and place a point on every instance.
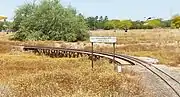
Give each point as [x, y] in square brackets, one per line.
[125, 24]
[5, 25]
[175, 23]
[137, 25]
[147, 26]
[100, 24]
[108, 25]
[97, 22]
[49, 20]
[22, 13]
[105, 18]
[92, 23]
[112, 24]
[155, 23]
[166, 23]
[116, 24]
[1, 26]
[96, 18]
[105, 21]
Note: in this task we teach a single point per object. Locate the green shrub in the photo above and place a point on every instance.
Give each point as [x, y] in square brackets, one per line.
[49, 20]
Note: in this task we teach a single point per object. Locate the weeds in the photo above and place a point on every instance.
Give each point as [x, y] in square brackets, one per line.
[162, 44]
[27, 75]
[30, 75]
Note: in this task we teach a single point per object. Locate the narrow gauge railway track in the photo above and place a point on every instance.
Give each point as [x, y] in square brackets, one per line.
[168, 79]
[64, 52]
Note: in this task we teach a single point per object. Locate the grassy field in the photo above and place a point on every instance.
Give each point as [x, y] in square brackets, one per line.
[162, 36]
[162, 44]
[25, 74]
[28, 75]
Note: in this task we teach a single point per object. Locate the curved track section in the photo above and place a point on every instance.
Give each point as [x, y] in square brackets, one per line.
[168, 79]
[64, 52]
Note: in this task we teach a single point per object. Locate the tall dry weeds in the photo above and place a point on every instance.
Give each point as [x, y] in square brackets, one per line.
[162, 44]
[27, 75]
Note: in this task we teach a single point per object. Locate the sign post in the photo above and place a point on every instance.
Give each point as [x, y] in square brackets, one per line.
[114, 56]
[105, 40]
[92, 56]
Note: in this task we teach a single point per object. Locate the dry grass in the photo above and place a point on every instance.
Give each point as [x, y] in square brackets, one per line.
[27, 75]
[168, 55]
[162, 44]
[142, 36]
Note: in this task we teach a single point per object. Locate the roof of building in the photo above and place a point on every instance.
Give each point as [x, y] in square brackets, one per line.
[2, 17]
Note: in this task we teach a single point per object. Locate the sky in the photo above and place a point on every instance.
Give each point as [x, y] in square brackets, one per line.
[114, 9]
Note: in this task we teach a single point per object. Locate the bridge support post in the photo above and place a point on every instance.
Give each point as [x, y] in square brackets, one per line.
[74, 55]
[70, 54]
[60, 54]
[66, 55]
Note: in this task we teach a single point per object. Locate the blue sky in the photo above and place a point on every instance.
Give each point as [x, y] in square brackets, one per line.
[118, 9]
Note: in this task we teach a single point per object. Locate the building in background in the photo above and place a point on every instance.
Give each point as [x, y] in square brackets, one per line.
[3, 18]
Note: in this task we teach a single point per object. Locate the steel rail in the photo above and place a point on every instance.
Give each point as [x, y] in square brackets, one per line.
[152, 66]
[78, 51]
[142, 64]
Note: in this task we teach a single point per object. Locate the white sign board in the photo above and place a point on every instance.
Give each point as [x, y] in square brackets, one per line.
[103, 39]
[119, 68]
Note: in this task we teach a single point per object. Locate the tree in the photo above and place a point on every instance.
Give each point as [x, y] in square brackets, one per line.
[49, 20]
[112, 24]
[97, 22]
[137, 25]
[175, 23]
[91, 22]
[155, 23]
[166, 23]
[5, 25]
[125, 24]
[100, 24]
[116, 24]
[105, 18]
[105, 21]
[1, 26]
[22, 13]
[108, 25]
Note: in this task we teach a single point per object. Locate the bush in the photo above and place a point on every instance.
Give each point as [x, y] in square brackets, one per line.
[49, 20]
[175, 22]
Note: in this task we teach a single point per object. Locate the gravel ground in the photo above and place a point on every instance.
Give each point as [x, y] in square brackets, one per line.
[153, 84]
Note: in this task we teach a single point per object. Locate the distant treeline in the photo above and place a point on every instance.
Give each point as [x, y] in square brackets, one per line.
[102, 22]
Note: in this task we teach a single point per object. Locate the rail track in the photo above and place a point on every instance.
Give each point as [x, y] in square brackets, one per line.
[64, 52]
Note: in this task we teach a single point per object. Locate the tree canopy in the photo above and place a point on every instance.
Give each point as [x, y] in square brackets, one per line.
[155, 23]
[49, 20]
[125, 24]
[175, 22]
[97, 22]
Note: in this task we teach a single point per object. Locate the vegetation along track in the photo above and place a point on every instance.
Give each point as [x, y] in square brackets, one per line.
[64, 52]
